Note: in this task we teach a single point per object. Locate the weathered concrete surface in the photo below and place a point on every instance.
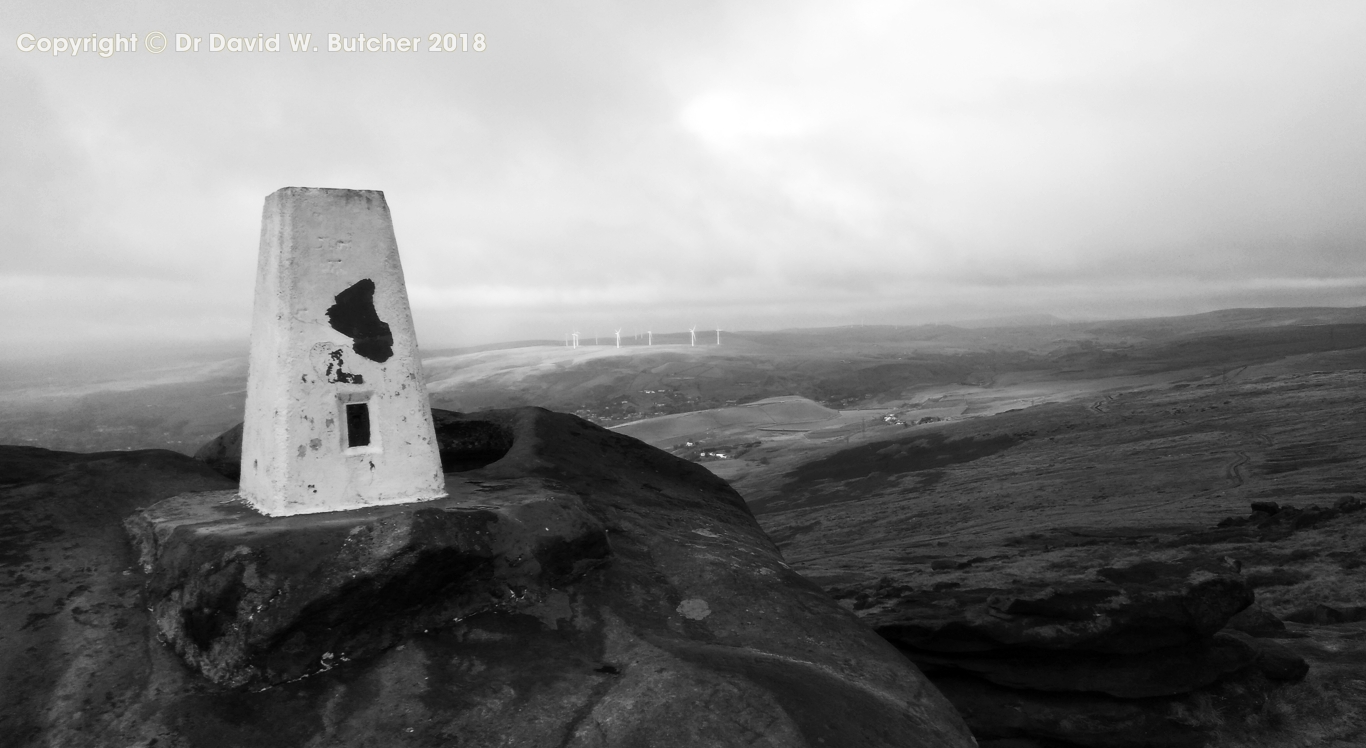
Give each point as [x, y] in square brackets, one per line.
[331, 328]
[694, 633]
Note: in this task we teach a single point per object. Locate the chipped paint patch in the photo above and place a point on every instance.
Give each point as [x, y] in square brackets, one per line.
[354, 316]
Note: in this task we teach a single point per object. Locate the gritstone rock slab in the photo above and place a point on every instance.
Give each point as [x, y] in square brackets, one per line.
[246, 598]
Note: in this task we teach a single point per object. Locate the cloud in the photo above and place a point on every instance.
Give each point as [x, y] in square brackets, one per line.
[757, 163]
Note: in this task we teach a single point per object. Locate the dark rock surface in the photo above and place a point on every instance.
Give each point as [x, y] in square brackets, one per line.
[1112, 660]
[1327, 614]
[1160, 672]
[1256, 621]
[1270, 521]
[468, 443]
[1139, 608]
[694, 632]
[248, 599]
[224, 453]
[1275, 661]
[1075, 719]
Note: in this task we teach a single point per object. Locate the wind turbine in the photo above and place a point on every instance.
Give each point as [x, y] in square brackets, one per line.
[693, 331]
[618, 337]
[718, 336]
[649, 337]
[576, 338]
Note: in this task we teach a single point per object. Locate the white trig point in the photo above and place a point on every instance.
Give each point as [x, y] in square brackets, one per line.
[337, 413]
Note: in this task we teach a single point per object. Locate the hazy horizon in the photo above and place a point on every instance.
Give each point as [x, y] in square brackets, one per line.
[764, 166]
[121, 357]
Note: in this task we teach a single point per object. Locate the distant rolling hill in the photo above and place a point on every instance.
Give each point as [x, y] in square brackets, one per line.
[179, 397]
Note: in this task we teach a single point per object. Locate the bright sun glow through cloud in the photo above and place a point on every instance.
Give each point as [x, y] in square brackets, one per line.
[758, 165]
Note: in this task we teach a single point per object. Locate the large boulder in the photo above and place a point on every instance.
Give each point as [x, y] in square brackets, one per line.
[1091, 720]
[1257, 621]
[1161, 672]
[224, 453]
[686, 628]
[1270, 521]
[249, 599]
[1274, 660]
[1116, 659]
[1139, 608]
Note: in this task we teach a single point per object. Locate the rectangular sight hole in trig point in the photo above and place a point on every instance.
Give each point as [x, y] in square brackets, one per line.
[357, 424]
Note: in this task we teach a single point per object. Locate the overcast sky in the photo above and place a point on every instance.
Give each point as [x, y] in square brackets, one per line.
[745, 164]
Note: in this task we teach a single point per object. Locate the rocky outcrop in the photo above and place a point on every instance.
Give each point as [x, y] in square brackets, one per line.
[687, 628]
[1111, 661]
[1072, 719]
[468, 443]
[1256, 621]
[1161, 672]
[464, 444]
[1274, 661]
[1139, 608]
[1321, 614]
[1270, 521]
[249, 599]
[224, 453]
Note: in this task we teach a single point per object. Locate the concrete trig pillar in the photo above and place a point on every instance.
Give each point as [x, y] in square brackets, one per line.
[337, 412]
